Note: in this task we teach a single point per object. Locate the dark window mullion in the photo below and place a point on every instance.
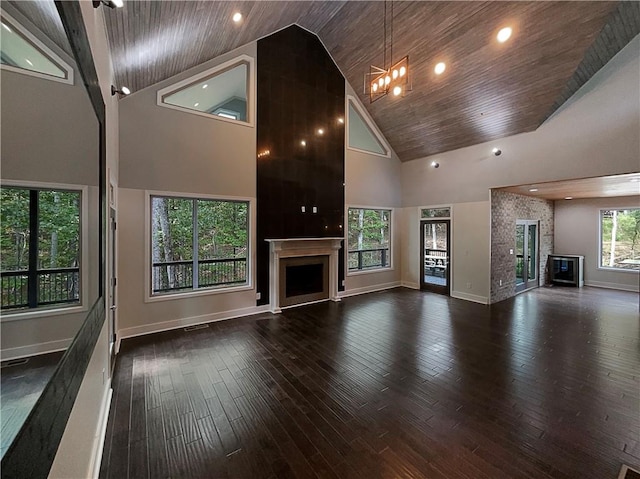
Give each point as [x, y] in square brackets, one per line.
[196, 270]
[32, 289]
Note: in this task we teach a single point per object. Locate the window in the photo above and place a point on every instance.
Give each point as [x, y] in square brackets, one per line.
[221, 92]
[620, 239]
[427, 213]
[197, 244]
[22, 52]
[40, 247]
[361, 134]
[368, 239]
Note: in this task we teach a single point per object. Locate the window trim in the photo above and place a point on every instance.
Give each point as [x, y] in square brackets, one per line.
[612, 268]
[369, 122]
[44, 49]
[56, 310]
[380, 269]
[211, 72]
[151, 298]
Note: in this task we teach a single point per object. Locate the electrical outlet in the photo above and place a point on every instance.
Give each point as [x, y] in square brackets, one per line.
[500, 282]
[315, 209]
[258, 296]
[304, 209]
[469, 285]
[343, 283]
[510, 251]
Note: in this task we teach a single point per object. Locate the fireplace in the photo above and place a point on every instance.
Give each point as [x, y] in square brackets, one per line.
[302, 270]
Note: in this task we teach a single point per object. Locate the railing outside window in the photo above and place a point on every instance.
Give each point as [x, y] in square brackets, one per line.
[368, 258]
[54, 286]
[178, 275]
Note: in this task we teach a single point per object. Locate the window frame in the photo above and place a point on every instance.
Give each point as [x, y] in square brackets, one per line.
[43, 48]
[212, 73]
[149, 297]
[377, 269]
[600, 265]
[369, 122]
[83, 302]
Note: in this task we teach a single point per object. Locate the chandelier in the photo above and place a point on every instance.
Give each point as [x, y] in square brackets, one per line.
[393, 79]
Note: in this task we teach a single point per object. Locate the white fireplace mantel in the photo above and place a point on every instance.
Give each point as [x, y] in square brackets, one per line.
[299, 247]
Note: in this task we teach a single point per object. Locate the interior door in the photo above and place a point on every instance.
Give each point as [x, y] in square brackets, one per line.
[435, 255]
[526, 255]
[112, 287]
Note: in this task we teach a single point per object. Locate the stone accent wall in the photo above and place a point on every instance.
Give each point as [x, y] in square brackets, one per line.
[506, 208]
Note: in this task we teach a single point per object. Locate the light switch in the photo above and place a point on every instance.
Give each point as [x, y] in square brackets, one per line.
[304, 210]
[315, 209]
[510, 251]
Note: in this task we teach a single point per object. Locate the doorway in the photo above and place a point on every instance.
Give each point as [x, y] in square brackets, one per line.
[526, 255]
[435, 255]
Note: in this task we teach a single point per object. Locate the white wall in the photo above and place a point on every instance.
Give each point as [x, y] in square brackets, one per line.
[374, 181]
[577, 232]
[595, 133]
[81, 444]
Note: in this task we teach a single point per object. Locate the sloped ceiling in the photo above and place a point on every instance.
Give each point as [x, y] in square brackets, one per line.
[488, 91]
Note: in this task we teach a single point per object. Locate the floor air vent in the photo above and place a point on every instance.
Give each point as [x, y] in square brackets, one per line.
[627, 473]
[197, 326]
[14, 362]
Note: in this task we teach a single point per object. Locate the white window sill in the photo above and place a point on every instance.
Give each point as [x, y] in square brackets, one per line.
[358, 272]
[196, 293]
[618, 270]
[40, 313]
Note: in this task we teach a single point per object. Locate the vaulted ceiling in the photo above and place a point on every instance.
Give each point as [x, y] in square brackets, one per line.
[489, 90]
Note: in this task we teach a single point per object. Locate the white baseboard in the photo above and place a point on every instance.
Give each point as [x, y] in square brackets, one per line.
[101, 431]
[191, 321]
[410, 284]
[368, 289]
[470, 297]
[622, 287]
[35, 349]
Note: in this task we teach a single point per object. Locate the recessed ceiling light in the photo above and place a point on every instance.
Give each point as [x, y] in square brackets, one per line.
[533, 189]
[237, 17]
[440, 68]
[568, 197]
[504, 34]
[118, 3]
[303, 143]
[29, 61]
[205, 86]
[495, 150]
[196, 104]
[6, 27]
[435, 164]
[320, 131]
[125, 90]
[341, 120]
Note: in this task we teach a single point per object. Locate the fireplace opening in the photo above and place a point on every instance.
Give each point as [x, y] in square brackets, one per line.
[304, 279]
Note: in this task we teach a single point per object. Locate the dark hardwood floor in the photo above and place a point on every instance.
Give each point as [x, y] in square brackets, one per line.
[394, 384]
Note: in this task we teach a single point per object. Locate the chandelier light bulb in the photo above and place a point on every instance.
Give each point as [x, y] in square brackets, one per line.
[403, 71]
[381, 82]
[387, 80]
[397, 90]
[395, 74]
[375, 87]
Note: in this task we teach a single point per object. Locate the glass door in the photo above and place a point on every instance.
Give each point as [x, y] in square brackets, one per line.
[435, 254]
[526, 255]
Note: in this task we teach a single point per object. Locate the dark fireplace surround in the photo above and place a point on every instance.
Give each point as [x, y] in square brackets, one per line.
[300, 186]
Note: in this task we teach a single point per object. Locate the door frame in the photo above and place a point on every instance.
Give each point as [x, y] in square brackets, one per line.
[446, 290]
[529, 284]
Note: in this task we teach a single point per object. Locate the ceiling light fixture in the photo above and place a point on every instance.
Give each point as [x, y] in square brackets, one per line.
[108, 3]
[496, 151]
[237, 17]
[440, 68]
[303, 143]
[435, 164]
[196, 104]
[205, 86]
[504, 34]
[395, 78]
[320, 131]
[533, 190]
[124, 91]
[568, 197]
[341, 120]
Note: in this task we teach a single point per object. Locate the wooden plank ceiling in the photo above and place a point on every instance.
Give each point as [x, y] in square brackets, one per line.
[488, 91]
[599, 187]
